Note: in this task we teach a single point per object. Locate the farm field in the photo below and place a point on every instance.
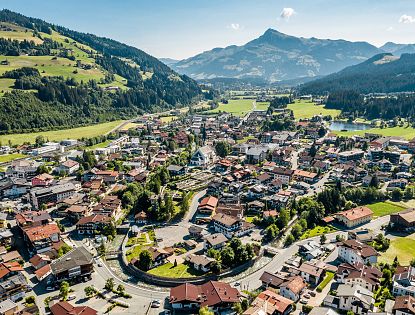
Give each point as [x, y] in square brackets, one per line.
[235, 107]
[381, 209]
[10, 157]
[406, 132]
[306, 109]
[180, 271]
[57, 135]
[401, 247]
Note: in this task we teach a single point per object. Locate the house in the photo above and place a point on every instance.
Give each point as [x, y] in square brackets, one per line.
[351, 298]
[292, 288]
[312, 271]
[43, 272]
[354, 155]
[32, 218]
[403, 220]
[11, 187]
[23, 169]
[52, 194]
[404, 305]
[109, 206]
[3, 220]
[231, 226]
[256, 154]
[272, 280]
[200, 262]
[204, 156]
[196, 232]
[308, 177]
[141, 218]
[319, 310]
[310, 250]
[69, 167]
[92, 224]
[215, 241]
[208, 205]
[42, 180]
[404, 281]
[39, 260]
[176, 170]
[283, 174]
[352, 251]
[41, 238]
[65, 308]
[74, 265]
[215, 295]
[270, 303]
[8, 307]
[359, 274]
[159, 256]
[354, 217]
[11, 256]
[13, 284]
[6, 237]
[109, 177]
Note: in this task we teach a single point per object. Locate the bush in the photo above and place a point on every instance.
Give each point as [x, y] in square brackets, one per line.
[307, 308]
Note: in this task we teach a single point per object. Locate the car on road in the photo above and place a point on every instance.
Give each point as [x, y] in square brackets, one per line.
[155, 304]
[71, 297]
[312, 293]
[302, 301]
[50, 288]
[307, 296]
[237, 284]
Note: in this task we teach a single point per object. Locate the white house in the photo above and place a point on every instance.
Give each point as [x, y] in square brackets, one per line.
[204, 156]
[352, 251]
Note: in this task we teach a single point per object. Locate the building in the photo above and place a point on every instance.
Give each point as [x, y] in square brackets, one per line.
[351, 298]
[204, 156]
[313, 271]
[270, 303]
[359, 274]
[65, 308]
[354, 155]
[352, 251]
[404, 305]
[230, 226]
[215, 295]
[354, 217]
[42, 180]
[91, 224]
[41, 238]
[13, 284]
[69, 167]
[23, 169]
[404, 281]
[319, 310]
[200, 262]
[8, 307]
[215, 241]
[403, 220]
[208, 205]
[52, 194]
[109, 206]
[74, 265]
[292, 288]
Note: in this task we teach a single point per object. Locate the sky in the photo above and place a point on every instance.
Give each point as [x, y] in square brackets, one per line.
[183, 28]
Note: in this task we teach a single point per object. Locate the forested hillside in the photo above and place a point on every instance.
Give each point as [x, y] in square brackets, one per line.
[53, 77]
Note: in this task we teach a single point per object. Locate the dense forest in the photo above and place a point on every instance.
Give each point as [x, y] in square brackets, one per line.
[61, 102]
[352, 102]
[383, 73]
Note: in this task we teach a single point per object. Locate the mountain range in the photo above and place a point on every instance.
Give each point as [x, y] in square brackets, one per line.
[275, 56]
[383, 73]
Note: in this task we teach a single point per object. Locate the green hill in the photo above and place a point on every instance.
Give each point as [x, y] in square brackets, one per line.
[52, 77]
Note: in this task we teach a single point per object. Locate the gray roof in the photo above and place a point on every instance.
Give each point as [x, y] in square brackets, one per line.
[322, 311]
[76, 257]
[7, 305]
[54, 189]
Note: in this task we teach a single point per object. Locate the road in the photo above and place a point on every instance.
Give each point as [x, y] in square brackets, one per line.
[193, 206]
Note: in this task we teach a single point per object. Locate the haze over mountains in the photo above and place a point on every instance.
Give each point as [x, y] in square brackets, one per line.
[275, 56]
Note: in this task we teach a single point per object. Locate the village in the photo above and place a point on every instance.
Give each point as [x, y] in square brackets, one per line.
[210, 211]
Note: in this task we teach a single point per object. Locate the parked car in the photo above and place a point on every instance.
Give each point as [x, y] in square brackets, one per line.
[155, 304]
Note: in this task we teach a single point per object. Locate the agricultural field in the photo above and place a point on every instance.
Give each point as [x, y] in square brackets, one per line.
[306, 109]
[57, 135]
[180, 271]
[10, 157]
[381, 209]
[401, 247]
[16, 32]
[235, 107]
[167, 119]
[405, 132]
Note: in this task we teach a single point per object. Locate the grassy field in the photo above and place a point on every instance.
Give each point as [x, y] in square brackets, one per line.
[306, 109]
[10, 157]
[57, 135]
[405, 132]
[317, 231]
[381, 209]
[403, 248]
[167, 119]
[98, 145]
[235, 107]
[180, 271]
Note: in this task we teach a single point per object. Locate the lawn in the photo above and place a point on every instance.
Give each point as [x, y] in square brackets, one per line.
[306, 109]
[134, 252]
[6, 84]
[405, 132]
[235, 107]
[401, 247]
[180, 271]
[381, 209]
[167, 119]
[98, 145]
[57, 135]
[317, 231]
[329, 276]
[10, 157]
[262, 105]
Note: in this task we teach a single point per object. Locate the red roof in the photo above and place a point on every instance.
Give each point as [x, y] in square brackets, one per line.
[42, 231]
[65, 308]
[96, 218]
[356, 213]
[41, 272]
[6, 268]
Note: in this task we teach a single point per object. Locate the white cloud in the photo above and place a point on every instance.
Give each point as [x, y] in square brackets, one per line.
[235, 26]
[286, 13]
[390, 29]
[407, 19]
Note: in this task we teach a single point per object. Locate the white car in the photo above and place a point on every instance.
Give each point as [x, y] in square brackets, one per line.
[155, 304]
[71, 297]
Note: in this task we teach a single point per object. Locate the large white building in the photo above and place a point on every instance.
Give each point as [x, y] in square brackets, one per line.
[352, 251]
[204, 156]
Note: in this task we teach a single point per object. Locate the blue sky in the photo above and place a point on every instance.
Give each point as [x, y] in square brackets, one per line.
[183, 28]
